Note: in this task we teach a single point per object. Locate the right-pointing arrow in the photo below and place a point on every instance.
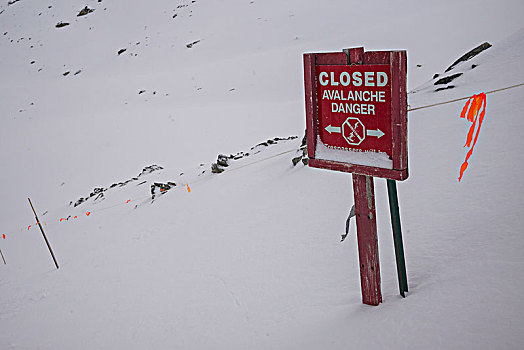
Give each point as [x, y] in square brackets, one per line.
[378, 133]
[331, 129]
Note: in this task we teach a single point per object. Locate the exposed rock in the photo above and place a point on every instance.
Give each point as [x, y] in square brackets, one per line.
[79, 201]
[303, 148]
[98, 191]
[150, 169]
[121, 51]
[304, 140]
[222, 160]
[240, 155]
[61, 24]
[190, 45]
[86, 10]
[163, 188]
[274, 141]
[469, 55]
[215, 169]
[448, 79]
[445, 88]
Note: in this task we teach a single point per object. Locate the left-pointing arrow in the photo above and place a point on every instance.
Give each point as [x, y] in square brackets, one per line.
[331, 129]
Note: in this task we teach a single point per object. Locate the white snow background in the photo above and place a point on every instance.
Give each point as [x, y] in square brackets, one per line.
[251, 258]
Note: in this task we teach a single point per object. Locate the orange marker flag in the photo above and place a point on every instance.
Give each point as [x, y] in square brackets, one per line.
[477, 110]
[3, 235]
[88, 213]
[188, 189]
[28, 227]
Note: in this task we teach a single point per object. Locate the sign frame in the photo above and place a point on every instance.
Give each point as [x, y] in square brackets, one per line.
[397, 61]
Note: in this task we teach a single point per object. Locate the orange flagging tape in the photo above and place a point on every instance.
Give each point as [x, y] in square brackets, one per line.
[188, 189]
[28, 227]
[88, 213]
[477, 110]
[3, 236]
[129, 200]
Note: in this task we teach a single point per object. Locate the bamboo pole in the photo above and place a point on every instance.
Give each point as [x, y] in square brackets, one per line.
[43, 234]
[3, 257]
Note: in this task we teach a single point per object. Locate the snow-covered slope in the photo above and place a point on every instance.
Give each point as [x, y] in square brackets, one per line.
[251, 257]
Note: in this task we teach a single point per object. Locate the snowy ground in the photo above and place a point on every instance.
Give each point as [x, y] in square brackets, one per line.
[250, 258]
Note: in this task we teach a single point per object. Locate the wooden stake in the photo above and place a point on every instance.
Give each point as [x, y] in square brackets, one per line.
[43, 234]
[3, 257]
[364, 193]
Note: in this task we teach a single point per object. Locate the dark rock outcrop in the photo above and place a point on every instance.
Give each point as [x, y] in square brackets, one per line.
[448, 79]
[469, 55]
[61, 24]
[85, 11]
[98, 192]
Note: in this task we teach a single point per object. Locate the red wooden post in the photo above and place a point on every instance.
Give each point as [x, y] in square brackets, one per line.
[343, 132]
[364, 193]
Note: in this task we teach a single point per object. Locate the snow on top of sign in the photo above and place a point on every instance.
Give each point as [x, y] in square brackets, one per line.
[374, 159]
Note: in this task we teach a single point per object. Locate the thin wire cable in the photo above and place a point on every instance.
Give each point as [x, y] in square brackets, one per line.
[199, 180]
[261, 160]
[463, 98]
[295, 150]
[289, 151]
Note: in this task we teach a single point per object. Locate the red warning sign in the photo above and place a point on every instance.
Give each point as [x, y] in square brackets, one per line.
[354, 107]
[356, 112]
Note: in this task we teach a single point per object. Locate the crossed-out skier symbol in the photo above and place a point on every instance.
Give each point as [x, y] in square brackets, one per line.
[353, 131]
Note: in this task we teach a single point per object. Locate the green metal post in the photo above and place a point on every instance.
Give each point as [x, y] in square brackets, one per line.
[397, 237]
